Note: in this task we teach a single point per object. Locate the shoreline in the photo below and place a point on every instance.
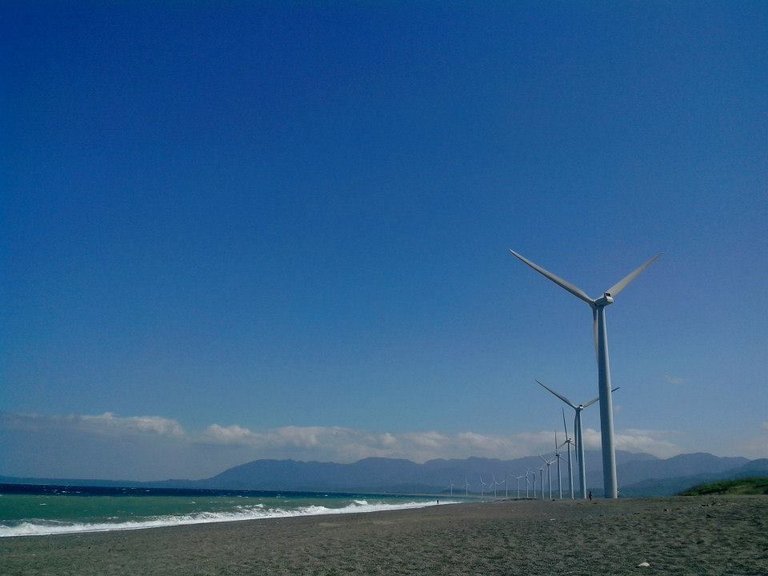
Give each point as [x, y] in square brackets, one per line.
[679, 535]
[29, 530]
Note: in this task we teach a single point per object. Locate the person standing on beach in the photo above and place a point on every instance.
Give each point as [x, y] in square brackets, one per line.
[590, 496]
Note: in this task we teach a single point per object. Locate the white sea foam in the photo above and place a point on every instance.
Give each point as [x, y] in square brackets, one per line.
[256, 512]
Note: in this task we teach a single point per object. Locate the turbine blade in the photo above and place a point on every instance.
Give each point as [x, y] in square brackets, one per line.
[565, 425]
[588, 404]
[563, 398]
[578, 292]
[621, 284]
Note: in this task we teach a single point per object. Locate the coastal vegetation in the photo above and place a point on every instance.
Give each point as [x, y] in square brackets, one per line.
[742, 486]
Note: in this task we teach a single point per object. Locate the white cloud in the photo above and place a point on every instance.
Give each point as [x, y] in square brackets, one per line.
[346, 444]
[654, 442]
[95, 446]
[426, 439]
[227, 434]
[131, 424]
[339, 444]
[153, 447]
[388, 440]
[675, 380]
[105, 424]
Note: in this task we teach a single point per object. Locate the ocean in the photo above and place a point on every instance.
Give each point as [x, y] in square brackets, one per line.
[27, 510]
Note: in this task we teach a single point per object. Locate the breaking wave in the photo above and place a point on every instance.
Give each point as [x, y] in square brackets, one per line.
[256, 512]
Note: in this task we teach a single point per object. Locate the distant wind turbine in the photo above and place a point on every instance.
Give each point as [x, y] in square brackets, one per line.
[610, 484]
[506, 485]
[577, 426]
[549, 477]
[527, 472]
[533, 484]
[568, 442]
[559, 476]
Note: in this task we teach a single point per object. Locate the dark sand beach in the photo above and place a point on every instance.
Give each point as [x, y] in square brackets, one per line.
[684, 535]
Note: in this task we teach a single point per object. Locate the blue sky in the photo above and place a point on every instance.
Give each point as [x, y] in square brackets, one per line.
[242, 230]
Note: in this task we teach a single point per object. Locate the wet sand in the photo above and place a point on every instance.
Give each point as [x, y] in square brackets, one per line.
[684, 535]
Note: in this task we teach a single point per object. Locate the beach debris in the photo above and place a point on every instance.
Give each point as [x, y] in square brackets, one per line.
[643, 565]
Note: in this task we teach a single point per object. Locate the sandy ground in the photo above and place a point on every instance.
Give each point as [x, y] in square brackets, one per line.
[684, 535]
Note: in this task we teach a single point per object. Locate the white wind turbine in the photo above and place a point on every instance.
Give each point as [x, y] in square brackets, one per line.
[533, 484]
[506, 489]
[568, 442]
[559, 476]
[518, 478]
[549, 477]
[577, 426]
[527, 472]
[610, 484]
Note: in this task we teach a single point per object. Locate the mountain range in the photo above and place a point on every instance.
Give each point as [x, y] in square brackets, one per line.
[640, 475]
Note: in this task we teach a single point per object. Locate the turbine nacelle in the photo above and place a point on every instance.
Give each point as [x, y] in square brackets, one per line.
[604, 300]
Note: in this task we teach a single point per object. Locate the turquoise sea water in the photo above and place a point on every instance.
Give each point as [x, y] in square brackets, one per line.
[59, 510]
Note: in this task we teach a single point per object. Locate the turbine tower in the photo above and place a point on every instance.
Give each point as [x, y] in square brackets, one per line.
[610, 484]
[577, 427]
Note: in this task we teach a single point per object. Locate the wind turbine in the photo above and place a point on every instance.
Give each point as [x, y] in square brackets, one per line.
[577, 426]
[533, 484]
[610, 484]
[506, 485]
[549, 478]
[559, 476]
[518, 478]
[568, 442]
[528, 471]
[466, 486]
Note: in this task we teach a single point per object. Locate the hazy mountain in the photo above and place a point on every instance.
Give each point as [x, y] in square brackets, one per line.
[753, 467]
[633, 470]
[667, 486]
[639, 475]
